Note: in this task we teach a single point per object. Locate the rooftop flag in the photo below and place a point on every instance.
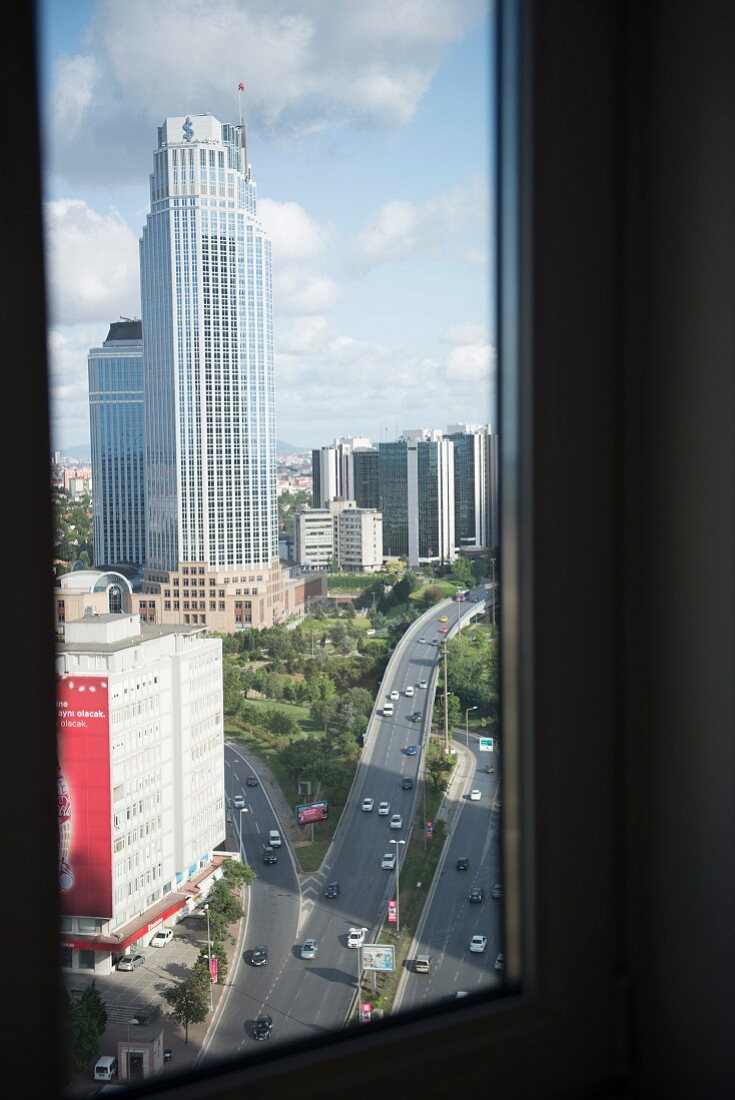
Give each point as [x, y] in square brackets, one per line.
[241, 87]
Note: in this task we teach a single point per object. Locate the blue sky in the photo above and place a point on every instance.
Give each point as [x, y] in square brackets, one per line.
[370, 140]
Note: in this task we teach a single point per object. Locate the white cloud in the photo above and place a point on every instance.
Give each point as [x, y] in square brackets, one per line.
[401, 230]
[305, 69]
[298, 291]
[68, 348]
[294, 235]
[470, 363]
[92, 263]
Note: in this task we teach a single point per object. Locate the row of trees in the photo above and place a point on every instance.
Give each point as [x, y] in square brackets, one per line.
[189, 999]
[84, 1022]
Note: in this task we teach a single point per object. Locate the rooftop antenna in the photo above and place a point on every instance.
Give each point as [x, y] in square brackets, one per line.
[243, 130]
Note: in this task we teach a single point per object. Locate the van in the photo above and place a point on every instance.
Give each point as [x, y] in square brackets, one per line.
[423, 964]
[388, 710]
[106, 1068]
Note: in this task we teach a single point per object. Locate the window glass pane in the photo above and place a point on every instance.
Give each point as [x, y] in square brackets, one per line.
[272, 351]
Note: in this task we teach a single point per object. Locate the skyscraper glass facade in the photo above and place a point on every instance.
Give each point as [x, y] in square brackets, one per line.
[115, 373]
[206, 296]
[394, 498]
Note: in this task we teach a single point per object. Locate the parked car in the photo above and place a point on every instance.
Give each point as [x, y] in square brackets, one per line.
[131, 962]
[161, 937]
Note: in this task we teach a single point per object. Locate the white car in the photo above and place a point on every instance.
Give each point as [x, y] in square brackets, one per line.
[384, 809]
[368, 803]
[409, 691]
[356, 937]
[423, 684]
[161, 937]
[478, 943]
[238, 802]
[422, 641]
[274, 838]
[394, 695]
[396, 822]
[475, 795]
[388, 862]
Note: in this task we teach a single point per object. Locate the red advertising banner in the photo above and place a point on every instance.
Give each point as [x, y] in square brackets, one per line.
[366, 1011]
[84, 801]
[316, 811]
[213, 969]
[429, 833]
[392, 912]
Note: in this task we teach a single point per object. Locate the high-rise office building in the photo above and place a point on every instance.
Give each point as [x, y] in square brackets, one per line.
[417, 497]
[474, 499]
[206, 299]
[333, 473]
[115, 373]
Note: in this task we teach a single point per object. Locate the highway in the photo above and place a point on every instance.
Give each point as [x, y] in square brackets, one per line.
[308, 997]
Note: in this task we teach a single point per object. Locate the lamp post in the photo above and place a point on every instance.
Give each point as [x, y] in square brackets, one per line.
[398, 886]
[492, 563]
[446, 703]
[132, 1020]
[243, 810]
[467, 725]
[359, 973]
[209, 956]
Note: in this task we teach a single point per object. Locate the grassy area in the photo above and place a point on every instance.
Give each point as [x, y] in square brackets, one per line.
[349, 582]
[301, 714]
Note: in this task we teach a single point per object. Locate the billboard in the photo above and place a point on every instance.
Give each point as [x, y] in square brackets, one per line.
[487, 744]
[84, 800]
[315, 811]
[377, 956]
[392, 912]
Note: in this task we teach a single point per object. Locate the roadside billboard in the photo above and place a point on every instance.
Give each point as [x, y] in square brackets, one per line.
[315, 811]
[377, 956]
[366, 1012]
[392, 912]
[487, 744]
[84, 799]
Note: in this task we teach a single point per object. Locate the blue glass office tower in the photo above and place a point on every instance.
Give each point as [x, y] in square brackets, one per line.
[115, 373]
[206, 299]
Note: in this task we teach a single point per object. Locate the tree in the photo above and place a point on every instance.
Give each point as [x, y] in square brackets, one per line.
[462, 570]
[95, 1007]
[237, 874]
[189, 1000]
[439, 766]
[224, 910]
[83, 1023]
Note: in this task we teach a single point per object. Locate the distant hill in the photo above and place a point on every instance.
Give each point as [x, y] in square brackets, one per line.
[290, 449]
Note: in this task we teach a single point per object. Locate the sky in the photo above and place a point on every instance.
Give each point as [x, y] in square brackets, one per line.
[370, 138]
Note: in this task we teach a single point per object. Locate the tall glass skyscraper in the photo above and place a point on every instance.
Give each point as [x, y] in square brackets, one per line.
[116, 431]
[206, 298]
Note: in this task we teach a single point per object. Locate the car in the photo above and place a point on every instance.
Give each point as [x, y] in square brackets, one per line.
[131, 962]
[394, 695]
[443, 629]
[423, 683]
[422, 641]
[490, 769]
[384, 809]
[409, 691]
[497, 890]
[396, 821]
[259, 956]
[388, 862]
[269, 855]
[476, 894]
[251, 781]
[463, 863]
[475, 795]
[407, 783]
[309, 949]
[274, 838]
[422, 964]
[238, 802]
[161, 937]
[443, 618]
[262, 1027]
[416, 716]
[500, 962]
[478, 944]
[367, 804]
[434, 641]
[167, 1054]
[331, 890]
[356, 937]
[411, 750]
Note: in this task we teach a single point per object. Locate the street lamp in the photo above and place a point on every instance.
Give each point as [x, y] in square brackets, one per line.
[209, 956]
[398, 886]
[132, 1020]
[243, 810]
[446, 702]
[467, 725]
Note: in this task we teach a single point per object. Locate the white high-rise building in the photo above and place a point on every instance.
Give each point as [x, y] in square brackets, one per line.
[206, 300]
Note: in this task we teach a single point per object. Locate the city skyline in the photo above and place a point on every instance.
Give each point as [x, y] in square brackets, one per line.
[372, 149]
